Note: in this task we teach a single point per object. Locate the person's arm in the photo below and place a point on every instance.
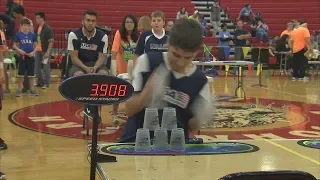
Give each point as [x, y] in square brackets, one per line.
[178, 15]
[307, 39]
[73, 48]
[141, 44]
[102, 53]
[114, 51]
[201, 109]
[142, 95]
[290, 43]
[50, 37]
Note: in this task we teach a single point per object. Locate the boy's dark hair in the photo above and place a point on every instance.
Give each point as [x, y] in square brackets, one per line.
[186, 34]
[41, 14]
[19, 10]
[158, 14]
[25, 21]
[90, 12]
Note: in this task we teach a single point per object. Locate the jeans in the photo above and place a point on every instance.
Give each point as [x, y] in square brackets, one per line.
[204, 31]
[43, 76]
[261, 35]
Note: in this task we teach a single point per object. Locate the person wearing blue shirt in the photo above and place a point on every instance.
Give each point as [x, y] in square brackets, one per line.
[25, 43]
[170, 79]
[245, 13]
[225, 40]
[154, 40]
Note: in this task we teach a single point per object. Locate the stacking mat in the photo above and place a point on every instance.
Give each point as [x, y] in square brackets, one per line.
[191, 149]
[310, 143]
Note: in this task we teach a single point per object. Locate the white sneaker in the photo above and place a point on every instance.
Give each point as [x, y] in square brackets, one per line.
[115, 120]
[294, 79]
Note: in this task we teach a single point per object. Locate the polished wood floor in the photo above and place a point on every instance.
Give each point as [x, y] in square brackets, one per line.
[38, 156]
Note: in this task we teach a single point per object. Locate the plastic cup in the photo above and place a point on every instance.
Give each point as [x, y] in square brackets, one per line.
[151, 119]
[160, 141]
[142, 143]
[177, 140]
[169, 118]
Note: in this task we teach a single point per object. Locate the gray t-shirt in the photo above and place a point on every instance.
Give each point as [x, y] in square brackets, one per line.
[215, 13]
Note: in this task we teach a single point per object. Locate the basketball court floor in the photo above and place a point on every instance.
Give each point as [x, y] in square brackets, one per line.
[46, 139]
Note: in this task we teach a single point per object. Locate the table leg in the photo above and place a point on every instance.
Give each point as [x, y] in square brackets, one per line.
[240, 83]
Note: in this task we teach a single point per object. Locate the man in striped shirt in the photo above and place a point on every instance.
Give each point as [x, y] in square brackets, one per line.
[19, 14]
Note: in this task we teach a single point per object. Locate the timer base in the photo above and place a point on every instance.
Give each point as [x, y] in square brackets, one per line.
[103, 158]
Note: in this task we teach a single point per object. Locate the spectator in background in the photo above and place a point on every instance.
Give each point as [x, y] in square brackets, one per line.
[314, 43]
[295, 24]
[225, 40]
[9, 22]
[245, 13]
[43, 54]
[182, 13]
[241, 36]
[154, 40]
[272, 44]
[19, 14]
[300, 44]
[289, 29]
[123, 49]
[262, 31]
[144, 24]
[254, 23]
[195, 16]
[215, 17]
[203, 23]
[168, 26]
[5, 54]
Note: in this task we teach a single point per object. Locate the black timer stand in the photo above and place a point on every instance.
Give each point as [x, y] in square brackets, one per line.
[95, 156]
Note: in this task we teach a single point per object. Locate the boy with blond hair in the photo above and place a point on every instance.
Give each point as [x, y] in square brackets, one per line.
[154, 40]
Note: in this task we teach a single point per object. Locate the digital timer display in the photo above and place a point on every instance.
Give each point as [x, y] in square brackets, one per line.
[111, 90]
[96, 89]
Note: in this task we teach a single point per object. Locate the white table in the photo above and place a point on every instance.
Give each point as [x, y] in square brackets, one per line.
[230, 63]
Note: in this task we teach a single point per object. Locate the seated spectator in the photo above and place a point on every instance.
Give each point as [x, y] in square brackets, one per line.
[245, 13]
[254, 23]
[195, 16]
[144, 24]
[288, 30]
[283, 46]
[272, 45]
[203, 23]
[225, 40]
[182, 13]
[168, 25]
[262, 31]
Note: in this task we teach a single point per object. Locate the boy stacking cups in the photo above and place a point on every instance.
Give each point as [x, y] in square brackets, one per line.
[25, 45]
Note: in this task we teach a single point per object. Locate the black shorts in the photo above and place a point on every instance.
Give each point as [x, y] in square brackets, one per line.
[26, 64]
[75, 68]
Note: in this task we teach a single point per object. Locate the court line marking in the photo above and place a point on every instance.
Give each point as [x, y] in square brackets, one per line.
[292, 151]
[292, 94]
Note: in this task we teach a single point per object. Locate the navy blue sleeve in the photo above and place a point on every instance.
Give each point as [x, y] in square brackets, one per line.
[141, 44]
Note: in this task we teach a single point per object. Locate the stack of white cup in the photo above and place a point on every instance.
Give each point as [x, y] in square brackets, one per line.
[160, 141]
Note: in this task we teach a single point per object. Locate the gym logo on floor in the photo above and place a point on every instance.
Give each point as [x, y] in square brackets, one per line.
[235, 119]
